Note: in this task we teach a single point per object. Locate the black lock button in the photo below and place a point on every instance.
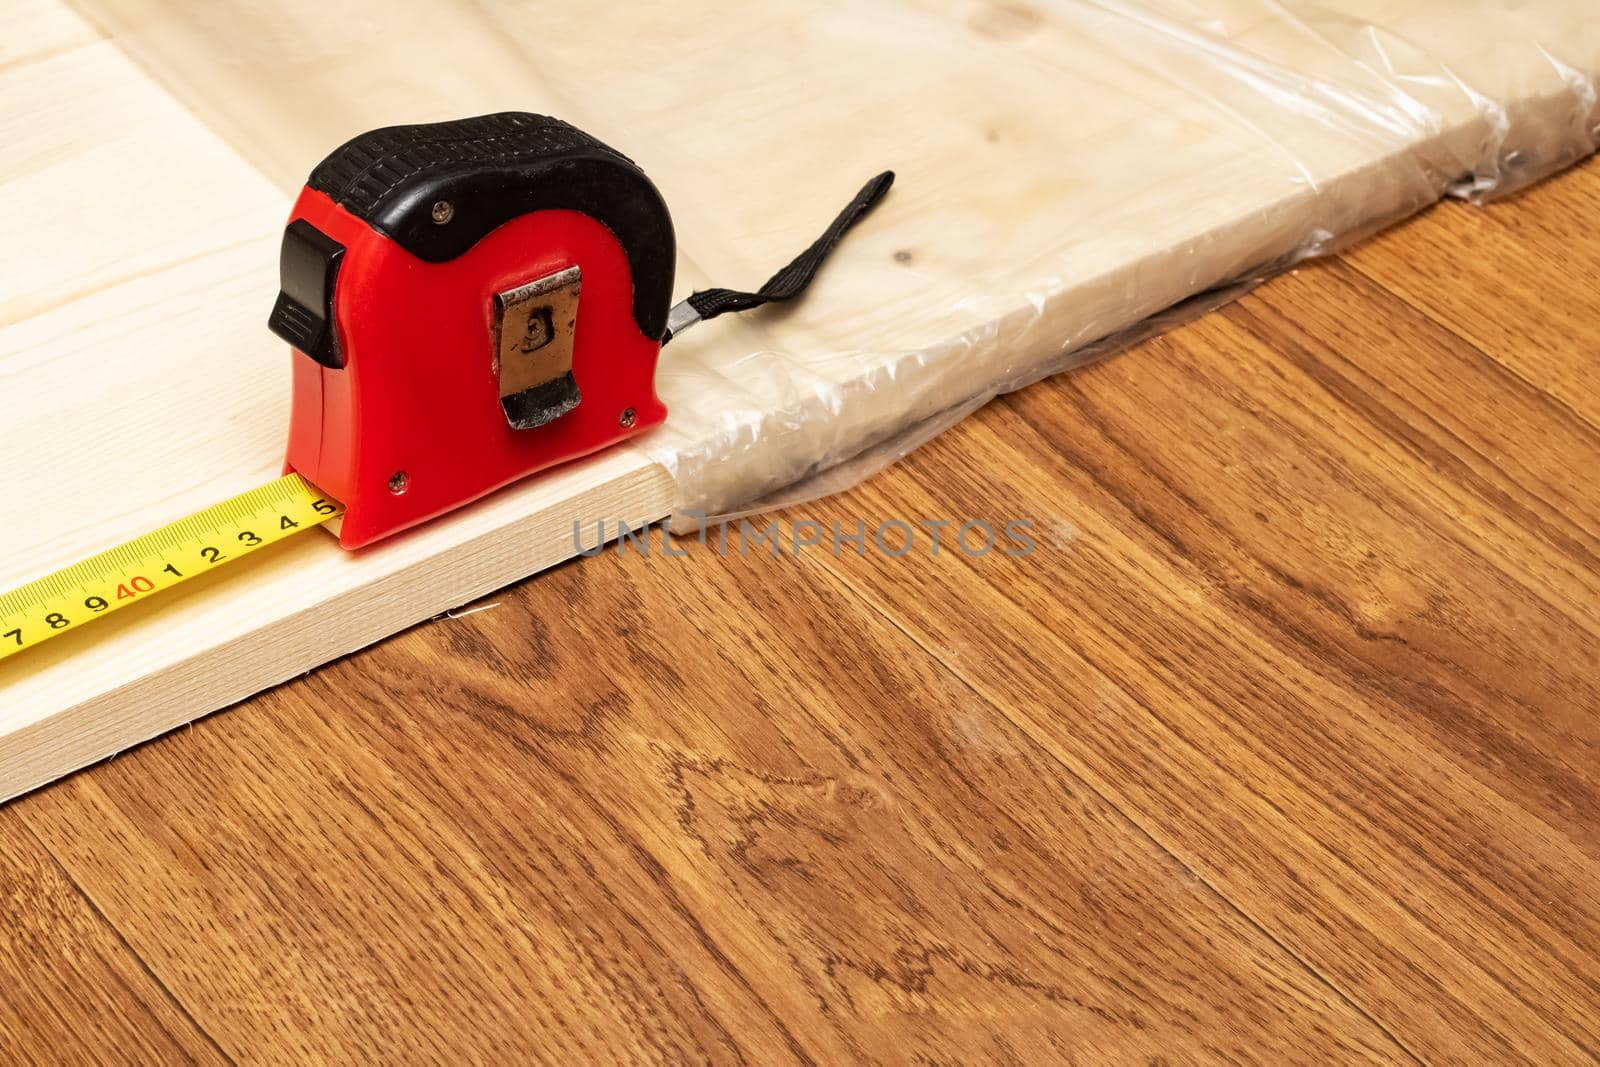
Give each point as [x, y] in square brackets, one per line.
[308, 267]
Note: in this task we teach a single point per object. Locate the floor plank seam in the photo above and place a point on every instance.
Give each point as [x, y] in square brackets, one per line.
[149, 972]
[1487, 357]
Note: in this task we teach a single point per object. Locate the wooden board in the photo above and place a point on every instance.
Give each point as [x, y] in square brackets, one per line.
[152, 150]
[1066, 169]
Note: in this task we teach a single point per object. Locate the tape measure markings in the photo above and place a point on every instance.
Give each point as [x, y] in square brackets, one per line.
[137, 569]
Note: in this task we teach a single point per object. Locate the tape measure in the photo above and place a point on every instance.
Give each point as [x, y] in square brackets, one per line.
[468, 303]
[159, 560]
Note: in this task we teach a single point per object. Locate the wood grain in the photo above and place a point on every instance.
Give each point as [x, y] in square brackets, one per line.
[602, 841]
[74, 992]
[1279, 748]
[1560, 287]
[1324, 620]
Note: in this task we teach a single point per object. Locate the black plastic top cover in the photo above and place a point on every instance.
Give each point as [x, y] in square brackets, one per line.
[491, 169]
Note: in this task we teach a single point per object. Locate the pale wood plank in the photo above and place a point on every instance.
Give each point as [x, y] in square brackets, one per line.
[138, 373]
[1066, 169]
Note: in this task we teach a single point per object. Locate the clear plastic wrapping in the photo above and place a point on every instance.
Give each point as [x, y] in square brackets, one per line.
[1071, 172]
[1338, 121]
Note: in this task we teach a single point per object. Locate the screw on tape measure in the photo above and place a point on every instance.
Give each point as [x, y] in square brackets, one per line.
[139, 569]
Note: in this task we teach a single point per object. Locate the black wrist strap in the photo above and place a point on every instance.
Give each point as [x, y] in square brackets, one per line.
[789, 282]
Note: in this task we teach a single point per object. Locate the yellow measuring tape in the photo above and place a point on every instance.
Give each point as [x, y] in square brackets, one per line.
[139, 569]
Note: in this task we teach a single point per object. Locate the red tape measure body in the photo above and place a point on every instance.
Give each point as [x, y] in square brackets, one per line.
[412, 425]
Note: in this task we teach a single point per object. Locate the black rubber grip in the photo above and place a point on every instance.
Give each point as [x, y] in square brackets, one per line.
[492, 169]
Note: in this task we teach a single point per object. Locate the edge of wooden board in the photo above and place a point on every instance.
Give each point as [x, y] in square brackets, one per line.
[501, 540]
